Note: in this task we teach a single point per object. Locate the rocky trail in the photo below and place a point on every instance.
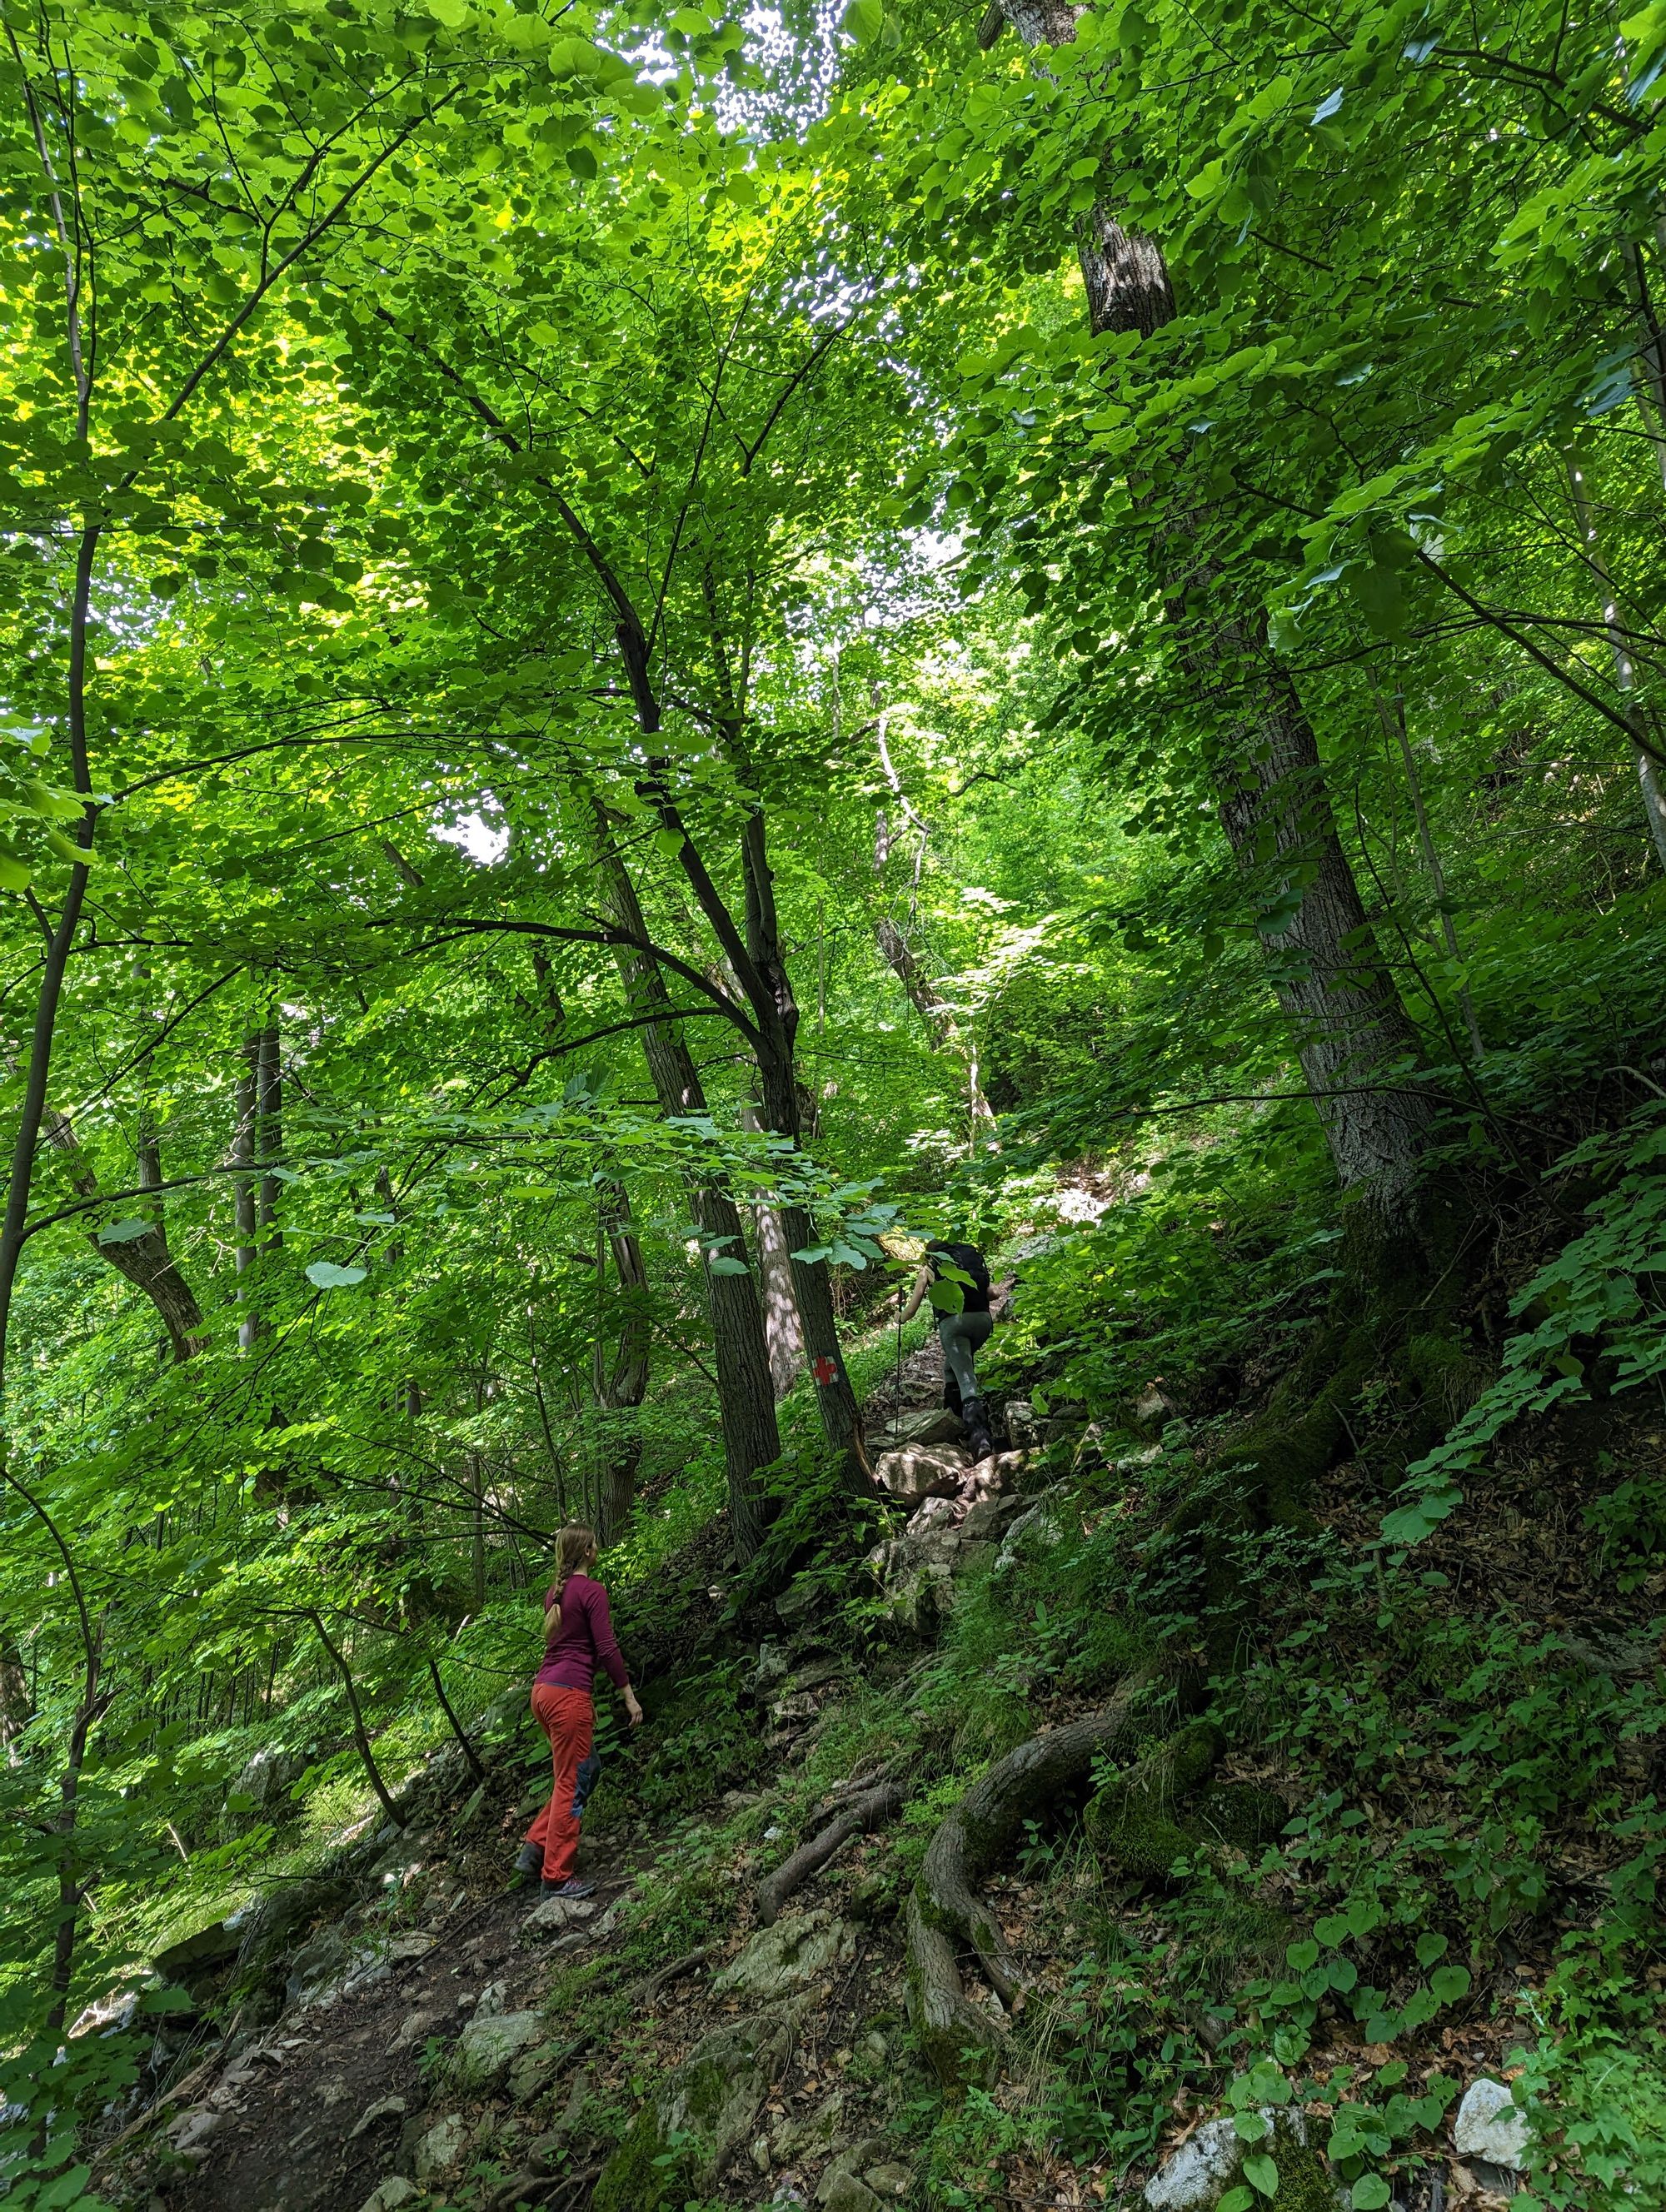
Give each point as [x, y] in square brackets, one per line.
[405, 2029]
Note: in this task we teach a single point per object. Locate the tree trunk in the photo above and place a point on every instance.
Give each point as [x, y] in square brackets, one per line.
[770, 990]
[1624, 673]
[622, 1389]
[745, 1396]
[780, 1314]
[267, 1047]
[145, 1260]
[1352, 1031]
[937, 1014]
[16, 1705]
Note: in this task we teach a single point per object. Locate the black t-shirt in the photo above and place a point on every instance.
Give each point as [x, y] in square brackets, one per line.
[974, 1295]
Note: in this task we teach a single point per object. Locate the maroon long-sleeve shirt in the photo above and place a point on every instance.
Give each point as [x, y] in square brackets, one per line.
[583, 1635]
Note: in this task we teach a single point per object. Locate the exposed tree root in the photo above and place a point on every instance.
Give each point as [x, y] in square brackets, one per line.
[960, 2038]
[856, 1814]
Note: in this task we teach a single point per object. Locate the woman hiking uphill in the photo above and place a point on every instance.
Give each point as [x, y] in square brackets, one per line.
[578, 1632]
[963, 1333]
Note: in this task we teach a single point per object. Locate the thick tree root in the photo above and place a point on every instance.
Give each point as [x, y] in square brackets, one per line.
[960, 2039]
[856, 1814]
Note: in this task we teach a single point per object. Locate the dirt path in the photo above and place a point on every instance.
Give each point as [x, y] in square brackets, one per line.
[312, 2115]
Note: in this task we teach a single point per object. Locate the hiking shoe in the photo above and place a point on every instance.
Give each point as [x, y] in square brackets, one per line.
[531, 1860]
[571, 1887]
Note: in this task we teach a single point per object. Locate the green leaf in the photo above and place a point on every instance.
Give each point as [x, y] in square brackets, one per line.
[1237, 2199]
[1430, 1947]
[329, 1277]
[863, 19]
[1450, 1984]
[722, 1266]
[1369, 2193]
[123, 1232]
[1262, 2172]
[1301, 1956]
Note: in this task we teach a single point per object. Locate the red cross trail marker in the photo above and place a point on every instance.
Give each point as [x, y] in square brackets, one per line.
[825, 1370]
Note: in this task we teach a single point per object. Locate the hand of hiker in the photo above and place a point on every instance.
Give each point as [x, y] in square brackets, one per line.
[633, 1707]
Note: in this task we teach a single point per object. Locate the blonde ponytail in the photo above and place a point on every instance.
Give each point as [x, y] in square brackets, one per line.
[572, 1547]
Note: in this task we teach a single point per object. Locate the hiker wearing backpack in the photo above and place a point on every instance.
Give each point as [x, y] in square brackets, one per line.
[578, 1632]
[963, 1334]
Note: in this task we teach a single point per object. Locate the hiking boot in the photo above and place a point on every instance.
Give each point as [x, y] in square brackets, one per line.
[979, 1441]
[571, 1887]
[529, 1861]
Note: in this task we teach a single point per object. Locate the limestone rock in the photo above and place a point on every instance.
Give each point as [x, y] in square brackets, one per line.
[707, 2107]
[266, 1927]
[556, 1915]
[787, 1957]
[1491, 2124]
[384, 2108]
[989, 1518]
[488, 2047]
[847, 2194]
[215, 1945]
[391, 2195]
[1036, 1530]
[814, 2136]
[849, 2167]
[1018, 1417]
[1195, 2178]
[890, 2182]
[412, 2029]
[440, 2150]
[925, 1426]
[1198, 2172]
[267, 1775]
[914, 1471]
[321, 1960]
[534, 2070]
[189, 2133]
[801, 1599]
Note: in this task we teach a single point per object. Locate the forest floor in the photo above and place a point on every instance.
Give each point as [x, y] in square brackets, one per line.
[386, 2084]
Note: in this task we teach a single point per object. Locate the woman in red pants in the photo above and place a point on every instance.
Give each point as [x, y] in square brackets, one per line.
[577, 1633]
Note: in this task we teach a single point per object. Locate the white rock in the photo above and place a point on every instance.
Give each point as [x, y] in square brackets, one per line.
[1491, 2124]
[911, 1473]
[787, 1957]
[489, 2047]
[384, 2108]
[190, 2132]
[393, 2192]
[490, 2002]
[557, 1914]
[1038, 1530]
[1198, 2174]
[442, 2148]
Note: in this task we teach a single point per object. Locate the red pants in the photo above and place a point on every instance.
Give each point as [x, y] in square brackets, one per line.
[566, 1717]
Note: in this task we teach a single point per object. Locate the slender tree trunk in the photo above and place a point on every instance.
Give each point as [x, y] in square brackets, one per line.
[246, 1145]
[145, 1261]
[16, 1705]
[746, 1397]
[621, 1388]
[770, 989]
[1352, 1033]
[71, 1890]
[1625, 672]
[781, 1313]
[1431, 852]
[269, 1122]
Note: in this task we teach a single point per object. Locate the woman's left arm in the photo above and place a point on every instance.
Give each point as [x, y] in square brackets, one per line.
[921, 1284]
